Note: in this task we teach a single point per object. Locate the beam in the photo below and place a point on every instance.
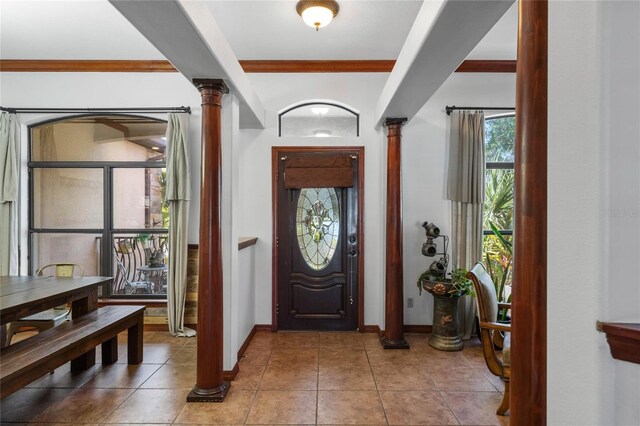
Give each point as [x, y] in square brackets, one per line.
[529, 302]
[186, 33]
[442, 36]
[249, 66]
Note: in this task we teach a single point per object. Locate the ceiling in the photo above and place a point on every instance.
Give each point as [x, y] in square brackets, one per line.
[255, 30]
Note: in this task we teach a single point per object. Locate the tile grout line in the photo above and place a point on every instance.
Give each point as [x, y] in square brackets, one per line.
[384, 410]
[255, 394]
[318, 381]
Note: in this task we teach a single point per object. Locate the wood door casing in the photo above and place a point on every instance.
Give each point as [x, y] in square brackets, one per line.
[335, 280]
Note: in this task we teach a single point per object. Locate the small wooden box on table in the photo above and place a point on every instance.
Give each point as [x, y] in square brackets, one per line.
[74, 340]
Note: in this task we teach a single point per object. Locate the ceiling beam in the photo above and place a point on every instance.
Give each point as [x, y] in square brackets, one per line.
[442, 36]
[186, 33]
[249, 66]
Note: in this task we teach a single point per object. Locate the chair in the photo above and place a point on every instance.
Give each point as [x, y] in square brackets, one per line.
[131, 286]
[488, 307]
[51, 317]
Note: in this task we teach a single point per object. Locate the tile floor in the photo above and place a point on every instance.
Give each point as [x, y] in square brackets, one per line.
[285, 378]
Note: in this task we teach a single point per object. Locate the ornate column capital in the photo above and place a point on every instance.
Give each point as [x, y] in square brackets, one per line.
[394, 122]
[211, 90]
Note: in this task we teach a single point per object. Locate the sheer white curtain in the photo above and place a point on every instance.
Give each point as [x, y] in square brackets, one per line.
[466, 189]
[178, 196]
[9, 184]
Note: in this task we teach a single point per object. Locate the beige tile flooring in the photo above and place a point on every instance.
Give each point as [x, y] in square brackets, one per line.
[285, 378]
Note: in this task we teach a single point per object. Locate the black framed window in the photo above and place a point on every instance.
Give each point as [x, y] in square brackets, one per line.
[498, 207]
[97, 199]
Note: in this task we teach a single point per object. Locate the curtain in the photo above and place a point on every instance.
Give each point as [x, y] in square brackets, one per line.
[9, 181]
[178, 195]
[465, 189]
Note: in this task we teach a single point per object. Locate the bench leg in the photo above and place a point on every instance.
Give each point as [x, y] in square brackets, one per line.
[135, 342]
[110, 351]
[84, 362]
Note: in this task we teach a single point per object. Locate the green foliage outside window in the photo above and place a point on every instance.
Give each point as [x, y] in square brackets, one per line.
[499, 202]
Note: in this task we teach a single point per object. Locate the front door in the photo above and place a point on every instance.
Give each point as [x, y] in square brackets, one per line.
[317, 241]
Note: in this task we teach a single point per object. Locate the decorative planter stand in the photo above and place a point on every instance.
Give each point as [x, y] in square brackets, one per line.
[445, 335]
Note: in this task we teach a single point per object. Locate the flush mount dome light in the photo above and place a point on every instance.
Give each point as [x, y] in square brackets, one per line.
[317, 13]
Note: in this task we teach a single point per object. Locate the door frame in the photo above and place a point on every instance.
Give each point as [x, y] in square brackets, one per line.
[276, 152]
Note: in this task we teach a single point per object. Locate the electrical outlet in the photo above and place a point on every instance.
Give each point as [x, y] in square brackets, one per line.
[410, 302]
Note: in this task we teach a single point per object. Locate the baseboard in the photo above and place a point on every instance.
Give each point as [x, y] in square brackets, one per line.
[407, 328]
[371, 329]
[262, 327]
[417, 328]
[231, 375]
[165, 327]
[246, 343]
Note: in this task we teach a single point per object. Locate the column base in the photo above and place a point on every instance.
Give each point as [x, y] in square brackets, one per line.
[394, 344]
[209, 395]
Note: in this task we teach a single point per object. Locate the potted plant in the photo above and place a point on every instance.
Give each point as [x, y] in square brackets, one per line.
[446, 290]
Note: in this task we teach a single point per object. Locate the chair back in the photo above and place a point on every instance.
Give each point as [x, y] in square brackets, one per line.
[61, 269]
[485, 293]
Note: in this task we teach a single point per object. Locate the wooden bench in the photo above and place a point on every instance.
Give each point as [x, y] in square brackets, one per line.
[24, 362]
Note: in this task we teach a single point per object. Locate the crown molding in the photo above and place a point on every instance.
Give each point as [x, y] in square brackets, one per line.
[249, 66]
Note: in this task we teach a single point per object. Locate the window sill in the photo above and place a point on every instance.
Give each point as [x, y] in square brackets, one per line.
[150, 303]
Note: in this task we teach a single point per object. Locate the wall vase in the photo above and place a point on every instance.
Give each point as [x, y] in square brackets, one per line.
[445, 335]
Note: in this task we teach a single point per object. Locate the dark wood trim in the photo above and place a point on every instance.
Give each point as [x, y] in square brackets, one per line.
[244, 242]
[274, 205]
[263, 327]
[165, 327]
[246, 343]
[416, 328]
[149, 303]
[325, 66]
[393, 337]
[477, 65]
[249, 66]
[74, 65]
[623, 339]
[371, 329]
[529, 299]
[210, 384]
[230, 375]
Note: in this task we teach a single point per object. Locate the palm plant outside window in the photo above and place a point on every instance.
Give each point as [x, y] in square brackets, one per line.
[499, 201]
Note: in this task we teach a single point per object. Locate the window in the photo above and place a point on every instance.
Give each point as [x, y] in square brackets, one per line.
[97, 198]
[499, 201]
[320, 119]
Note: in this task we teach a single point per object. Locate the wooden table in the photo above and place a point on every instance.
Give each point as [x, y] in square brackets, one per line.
[27, 295]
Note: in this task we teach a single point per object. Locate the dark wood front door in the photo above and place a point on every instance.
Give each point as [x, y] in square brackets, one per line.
[317, 241]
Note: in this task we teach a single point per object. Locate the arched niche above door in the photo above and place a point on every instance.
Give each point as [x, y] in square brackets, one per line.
[319, 118]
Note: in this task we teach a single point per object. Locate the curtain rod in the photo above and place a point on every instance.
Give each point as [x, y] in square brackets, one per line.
[453, 108]
[95, 110]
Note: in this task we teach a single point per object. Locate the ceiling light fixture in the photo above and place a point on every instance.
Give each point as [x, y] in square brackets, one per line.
[317, 13]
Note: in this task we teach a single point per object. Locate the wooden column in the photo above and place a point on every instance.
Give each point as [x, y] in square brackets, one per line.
[529, 303]
[393, 337]
[210, 386]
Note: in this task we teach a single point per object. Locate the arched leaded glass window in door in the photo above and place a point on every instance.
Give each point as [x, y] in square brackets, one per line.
[319, 118]
[317, 225]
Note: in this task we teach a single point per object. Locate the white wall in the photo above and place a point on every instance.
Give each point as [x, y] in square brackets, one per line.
[594, 208]
[424, 163]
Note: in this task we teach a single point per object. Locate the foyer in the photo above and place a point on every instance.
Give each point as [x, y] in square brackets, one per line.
[284, 378]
